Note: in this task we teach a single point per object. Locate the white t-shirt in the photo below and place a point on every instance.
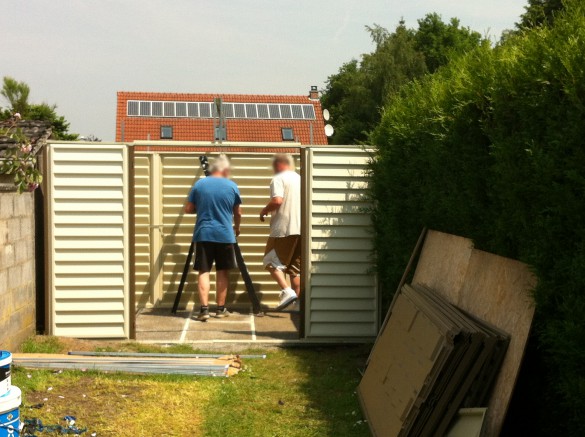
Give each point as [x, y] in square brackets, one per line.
[286, 220]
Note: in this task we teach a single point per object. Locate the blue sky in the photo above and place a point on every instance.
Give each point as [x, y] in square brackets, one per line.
[78, 53]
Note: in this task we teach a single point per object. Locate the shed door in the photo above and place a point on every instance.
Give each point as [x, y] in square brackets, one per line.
[340, 285]
[88, 240]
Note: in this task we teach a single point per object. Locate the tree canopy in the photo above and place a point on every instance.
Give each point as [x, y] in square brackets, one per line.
[17, 96]
[357, 92]
[540, 12]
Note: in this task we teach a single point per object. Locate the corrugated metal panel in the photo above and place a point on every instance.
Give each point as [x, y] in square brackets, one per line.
[88, 235]
[177, 173]
[341, 288]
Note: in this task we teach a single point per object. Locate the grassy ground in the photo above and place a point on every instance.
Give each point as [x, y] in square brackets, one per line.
[294, 392]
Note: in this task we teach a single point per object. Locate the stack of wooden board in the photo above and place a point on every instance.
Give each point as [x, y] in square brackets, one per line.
[223, 366]
[432, 360]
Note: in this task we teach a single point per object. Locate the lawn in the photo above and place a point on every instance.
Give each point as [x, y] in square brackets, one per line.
[293, 392]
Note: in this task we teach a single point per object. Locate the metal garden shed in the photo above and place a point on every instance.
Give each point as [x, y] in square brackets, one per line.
[116, 238]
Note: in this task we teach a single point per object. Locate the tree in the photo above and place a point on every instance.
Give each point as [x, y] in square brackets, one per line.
[439, 40]
[17, 95]
[540, 12]
[356, 94]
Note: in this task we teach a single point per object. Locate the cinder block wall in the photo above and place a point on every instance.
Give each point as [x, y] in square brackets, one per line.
[17, 269]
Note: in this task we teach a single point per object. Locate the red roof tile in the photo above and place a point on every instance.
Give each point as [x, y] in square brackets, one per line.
[201, 129]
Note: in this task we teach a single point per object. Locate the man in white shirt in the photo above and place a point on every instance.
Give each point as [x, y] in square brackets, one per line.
[283, 249]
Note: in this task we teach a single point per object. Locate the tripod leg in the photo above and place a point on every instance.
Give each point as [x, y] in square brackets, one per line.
[247, 280]
[184, 277]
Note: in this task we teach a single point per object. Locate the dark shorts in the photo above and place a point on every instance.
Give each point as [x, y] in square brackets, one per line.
[208, 253]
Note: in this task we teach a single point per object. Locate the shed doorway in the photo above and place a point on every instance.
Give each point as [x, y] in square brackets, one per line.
[163, 175]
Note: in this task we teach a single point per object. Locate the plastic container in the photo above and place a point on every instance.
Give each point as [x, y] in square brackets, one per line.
[5, 379]
[10, 413]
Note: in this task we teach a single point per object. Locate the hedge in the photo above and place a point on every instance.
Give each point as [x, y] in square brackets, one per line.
[492, 147]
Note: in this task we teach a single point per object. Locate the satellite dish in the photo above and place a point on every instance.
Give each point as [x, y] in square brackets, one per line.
[329, 130]
[326, 114]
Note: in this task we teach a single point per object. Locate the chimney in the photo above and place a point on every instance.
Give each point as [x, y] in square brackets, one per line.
[314, 93]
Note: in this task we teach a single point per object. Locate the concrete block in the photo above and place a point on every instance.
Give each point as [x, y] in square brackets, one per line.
[23, 205]
[3, 232]
[15, 279]
[21, 251]
[6, 256]
[3, 283]
[27, 226]
[13, 229]
[6, 205]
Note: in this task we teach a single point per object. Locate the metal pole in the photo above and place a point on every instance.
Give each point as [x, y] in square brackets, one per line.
[184, 277]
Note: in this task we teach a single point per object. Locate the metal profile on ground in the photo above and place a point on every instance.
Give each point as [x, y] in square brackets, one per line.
[162, 355]
[224, 367]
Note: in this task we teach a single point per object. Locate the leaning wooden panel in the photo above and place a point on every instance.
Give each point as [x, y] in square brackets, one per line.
[489, 287]
[497, 290]
[443, 263]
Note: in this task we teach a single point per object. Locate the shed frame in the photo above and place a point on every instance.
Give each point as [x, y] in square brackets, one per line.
[319, 177]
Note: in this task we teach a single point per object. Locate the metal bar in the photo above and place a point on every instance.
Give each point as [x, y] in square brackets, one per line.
[247, 280]
[184, 277]
[159, 355]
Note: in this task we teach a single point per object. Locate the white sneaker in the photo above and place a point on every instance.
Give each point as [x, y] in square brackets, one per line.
[287, 296]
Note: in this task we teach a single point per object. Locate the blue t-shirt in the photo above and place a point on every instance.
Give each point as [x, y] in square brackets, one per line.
[215, 199]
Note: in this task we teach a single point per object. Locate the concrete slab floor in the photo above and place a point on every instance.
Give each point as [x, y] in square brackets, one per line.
[160, 325]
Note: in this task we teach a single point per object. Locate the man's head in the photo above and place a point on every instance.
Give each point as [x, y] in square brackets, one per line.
[283, 162]
[220, 167]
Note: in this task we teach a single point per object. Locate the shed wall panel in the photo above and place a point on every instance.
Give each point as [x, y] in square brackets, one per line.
[88, 229]
[342, 298]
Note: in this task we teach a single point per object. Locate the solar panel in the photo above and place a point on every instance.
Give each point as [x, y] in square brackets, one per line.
[274, 111]
[285, 111]
[169, 109]
[181, 109]
[193, 109]
[262, 111]
[145, 109]
[228, 110]
[251, 111]
[309, 111]
[239, 110]
[157, 109]
[205, 110]
[132, 108]
[297, 111]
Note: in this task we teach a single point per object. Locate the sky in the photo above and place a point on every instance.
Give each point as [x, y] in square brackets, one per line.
[78, 53]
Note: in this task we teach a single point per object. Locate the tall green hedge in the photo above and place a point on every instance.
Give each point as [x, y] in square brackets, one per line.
[492, 147]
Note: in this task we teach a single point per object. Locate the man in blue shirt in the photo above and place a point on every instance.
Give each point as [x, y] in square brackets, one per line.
[216, 201]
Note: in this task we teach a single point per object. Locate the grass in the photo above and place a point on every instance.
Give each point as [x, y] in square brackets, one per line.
[292, 393]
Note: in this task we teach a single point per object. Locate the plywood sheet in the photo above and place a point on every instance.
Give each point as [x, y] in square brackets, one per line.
[403, 363]
[487, 286]
[443, 263]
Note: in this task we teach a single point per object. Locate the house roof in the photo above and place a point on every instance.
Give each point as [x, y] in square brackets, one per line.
[132, 128]
[38, 132]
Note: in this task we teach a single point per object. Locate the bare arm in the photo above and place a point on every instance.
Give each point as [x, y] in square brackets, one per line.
[190, 208]
[237, 219]
[273, 205]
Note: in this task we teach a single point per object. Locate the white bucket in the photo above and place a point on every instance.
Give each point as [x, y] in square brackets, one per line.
[5, 379]
[10, 413]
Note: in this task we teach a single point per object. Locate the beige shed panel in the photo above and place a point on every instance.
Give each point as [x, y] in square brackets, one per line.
[163, 232]
[342, 297]
[88, 240]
